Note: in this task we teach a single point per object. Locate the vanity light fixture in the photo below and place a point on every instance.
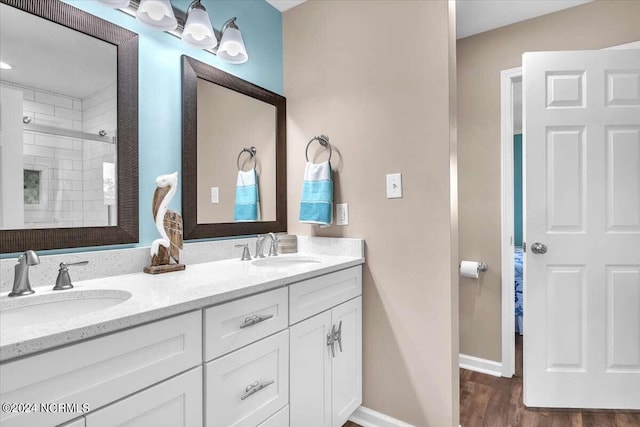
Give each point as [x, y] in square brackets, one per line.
[198, 31]
[231, 47]
[5, 66]
[194, 27]
[157, 14]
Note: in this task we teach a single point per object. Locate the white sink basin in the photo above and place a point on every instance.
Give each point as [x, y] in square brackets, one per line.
[285, 261]
[18, 312]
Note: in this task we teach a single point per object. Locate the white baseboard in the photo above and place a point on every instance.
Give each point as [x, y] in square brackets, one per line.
[483, 366]
[369, 418]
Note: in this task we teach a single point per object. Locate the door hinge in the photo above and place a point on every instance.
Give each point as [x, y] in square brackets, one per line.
[524, 246]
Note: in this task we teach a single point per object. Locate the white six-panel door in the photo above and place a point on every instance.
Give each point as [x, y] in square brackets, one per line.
[582, 185]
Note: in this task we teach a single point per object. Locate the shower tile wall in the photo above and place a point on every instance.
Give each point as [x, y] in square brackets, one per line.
[71, 181]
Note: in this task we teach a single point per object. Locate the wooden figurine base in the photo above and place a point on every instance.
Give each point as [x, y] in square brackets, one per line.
[158, 269]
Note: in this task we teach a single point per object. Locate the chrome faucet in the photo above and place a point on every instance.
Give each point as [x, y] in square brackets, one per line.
[273, 249]
[21, 284]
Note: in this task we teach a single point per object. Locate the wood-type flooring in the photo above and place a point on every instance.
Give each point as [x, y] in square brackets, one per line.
[488, 401]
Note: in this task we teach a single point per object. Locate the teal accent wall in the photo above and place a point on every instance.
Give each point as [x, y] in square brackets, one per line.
[517, 189]
[159, 90]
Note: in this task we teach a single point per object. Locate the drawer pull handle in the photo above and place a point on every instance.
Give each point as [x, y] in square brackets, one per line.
[252, 320]
[252, 389]
[331, 338]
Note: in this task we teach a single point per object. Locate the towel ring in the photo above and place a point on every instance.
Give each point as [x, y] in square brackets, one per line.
[252, 152]
[323, 140]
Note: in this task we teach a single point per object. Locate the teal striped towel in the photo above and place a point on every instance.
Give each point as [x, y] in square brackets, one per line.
[247, 206]
[316, 205]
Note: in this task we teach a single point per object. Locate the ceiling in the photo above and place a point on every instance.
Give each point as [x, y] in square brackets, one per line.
[478, 16]
[283, 5]
[53, 58]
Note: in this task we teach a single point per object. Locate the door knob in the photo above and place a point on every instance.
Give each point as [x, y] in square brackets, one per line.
[539, 248]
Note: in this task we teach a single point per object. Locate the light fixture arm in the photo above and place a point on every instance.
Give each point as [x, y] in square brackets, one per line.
[196, 4]
[231, 23]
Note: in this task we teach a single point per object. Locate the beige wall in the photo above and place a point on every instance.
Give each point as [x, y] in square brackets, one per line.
[228, 122]
[385, 104]
[480, 60]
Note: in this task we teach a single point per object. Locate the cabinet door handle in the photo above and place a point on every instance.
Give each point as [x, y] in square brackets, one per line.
[337, 336]
[252, 320]
[331, 341]
[255, 387]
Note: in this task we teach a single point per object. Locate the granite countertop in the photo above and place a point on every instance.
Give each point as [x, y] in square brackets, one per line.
[158, 296]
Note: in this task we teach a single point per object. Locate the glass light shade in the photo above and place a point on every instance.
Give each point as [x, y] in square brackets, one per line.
[116, 4]
[232, 48]
[157, 14]
[198, 31]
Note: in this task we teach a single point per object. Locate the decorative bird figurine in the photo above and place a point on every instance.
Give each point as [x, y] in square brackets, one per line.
[169, 225]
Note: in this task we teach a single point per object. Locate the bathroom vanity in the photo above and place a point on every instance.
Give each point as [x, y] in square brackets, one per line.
[273, 342]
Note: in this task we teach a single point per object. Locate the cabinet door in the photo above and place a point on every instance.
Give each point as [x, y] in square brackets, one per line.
[310, 367]
[346, 375]
[173, 403]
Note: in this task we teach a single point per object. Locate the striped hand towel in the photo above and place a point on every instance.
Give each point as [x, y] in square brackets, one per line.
[247, 206]
[316, 206]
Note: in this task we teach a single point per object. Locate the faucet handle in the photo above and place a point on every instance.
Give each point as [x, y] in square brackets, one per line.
[246, 255]
[64, 280]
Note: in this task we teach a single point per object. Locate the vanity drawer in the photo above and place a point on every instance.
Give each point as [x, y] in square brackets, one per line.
[101, 370]
[228, 381]
[176, 402]
[235, 324]
[280, 419]
[315, 295]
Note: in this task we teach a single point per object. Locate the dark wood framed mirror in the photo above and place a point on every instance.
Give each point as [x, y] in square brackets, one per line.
[117, 201]
[223, 119]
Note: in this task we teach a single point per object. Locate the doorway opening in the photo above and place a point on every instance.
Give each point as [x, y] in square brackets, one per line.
[513, 214]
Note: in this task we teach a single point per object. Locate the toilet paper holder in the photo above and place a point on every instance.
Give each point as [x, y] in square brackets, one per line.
[482, 266]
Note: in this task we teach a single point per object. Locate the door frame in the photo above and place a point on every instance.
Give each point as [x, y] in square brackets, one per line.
[507, 80]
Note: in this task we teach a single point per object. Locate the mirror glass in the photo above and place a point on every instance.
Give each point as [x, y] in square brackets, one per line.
[58, 131]
[229, 125]
[234, 172]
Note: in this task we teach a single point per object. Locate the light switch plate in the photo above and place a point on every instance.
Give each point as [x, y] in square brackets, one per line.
[214, 195]
[394, 186]
[342, 214]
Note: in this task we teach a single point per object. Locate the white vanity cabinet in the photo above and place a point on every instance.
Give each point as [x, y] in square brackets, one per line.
[176, 402]
[326, 350]
[288, 357]
[99, 371]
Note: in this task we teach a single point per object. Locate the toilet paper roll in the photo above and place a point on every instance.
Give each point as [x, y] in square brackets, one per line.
[470, 269]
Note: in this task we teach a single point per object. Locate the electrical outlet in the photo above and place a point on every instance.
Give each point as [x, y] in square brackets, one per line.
[394, 186]
[214, 195]
[342, 214]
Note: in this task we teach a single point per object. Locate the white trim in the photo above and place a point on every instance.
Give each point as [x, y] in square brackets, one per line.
[507, 79]
[369, 418]
[483, 366]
